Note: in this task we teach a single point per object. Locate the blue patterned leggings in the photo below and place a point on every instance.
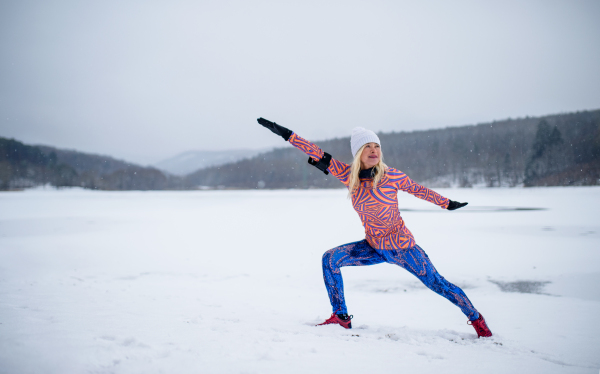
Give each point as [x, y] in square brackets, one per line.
[414, 260]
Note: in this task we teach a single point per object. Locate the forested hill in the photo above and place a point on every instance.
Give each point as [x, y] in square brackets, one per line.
[555, 150]
[23, 166]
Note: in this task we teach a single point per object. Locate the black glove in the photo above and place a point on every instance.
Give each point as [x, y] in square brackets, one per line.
[453, 205]
[279, 130]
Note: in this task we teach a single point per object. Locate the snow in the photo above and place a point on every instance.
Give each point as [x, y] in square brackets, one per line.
[230, 282]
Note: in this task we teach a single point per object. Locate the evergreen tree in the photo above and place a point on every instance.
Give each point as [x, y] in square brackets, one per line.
[547, 156]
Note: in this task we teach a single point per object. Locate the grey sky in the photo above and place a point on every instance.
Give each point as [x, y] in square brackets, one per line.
[144, 80]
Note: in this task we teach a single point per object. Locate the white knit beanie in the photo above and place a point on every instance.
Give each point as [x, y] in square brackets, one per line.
[360, 137]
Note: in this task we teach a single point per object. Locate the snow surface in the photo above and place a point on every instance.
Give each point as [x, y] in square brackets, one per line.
[230, 282]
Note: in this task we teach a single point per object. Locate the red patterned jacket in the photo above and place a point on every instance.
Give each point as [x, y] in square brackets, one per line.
[377, 208]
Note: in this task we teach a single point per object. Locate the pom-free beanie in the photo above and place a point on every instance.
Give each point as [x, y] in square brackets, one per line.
[361, 136]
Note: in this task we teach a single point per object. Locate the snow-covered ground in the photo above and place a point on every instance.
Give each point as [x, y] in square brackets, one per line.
[230, 282]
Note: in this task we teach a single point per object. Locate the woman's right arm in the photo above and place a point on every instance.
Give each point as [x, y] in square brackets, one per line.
[338, 169]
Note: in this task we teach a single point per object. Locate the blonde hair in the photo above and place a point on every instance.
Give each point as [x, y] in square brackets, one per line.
[354, 180]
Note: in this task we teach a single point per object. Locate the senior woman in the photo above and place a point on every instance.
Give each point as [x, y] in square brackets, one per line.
[373, 187]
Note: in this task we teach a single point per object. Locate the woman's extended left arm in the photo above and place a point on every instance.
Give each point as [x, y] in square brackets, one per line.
[404, 183]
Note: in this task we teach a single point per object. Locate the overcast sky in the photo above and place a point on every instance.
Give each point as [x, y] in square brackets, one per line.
[143, 81]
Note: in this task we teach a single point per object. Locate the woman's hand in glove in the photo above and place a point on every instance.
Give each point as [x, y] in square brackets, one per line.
[279, 130]
[453, 205]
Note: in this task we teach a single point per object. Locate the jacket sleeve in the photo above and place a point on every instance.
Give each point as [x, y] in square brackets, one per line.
[404, 183]
[337, 168]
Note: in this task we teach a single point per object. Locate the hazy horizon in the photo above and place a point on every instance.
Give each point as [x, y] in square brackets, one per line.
[145, 81]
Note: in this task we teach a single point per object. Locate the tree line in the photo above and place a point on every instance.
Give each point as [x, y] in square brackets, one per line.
[24, 166]
[555, 150]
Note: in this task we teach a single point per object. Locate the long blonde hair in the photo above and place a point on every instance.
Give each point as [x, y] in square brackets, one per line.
[354, 182]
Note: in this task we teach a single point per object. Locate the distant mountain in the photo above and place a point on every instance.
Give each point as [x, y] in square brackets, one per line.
[191, 161]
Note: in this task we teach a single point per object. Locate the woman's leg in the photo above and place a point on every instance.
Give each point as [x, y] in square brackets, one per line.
[351, 254]
[416, 261]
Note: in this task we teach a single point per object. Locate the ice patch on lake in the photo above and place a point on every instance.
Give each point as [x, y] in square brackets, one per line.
[521, 286]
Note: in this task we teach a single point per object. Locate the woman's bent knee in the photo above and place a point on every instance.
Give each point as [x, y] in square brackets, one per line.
[327, 257]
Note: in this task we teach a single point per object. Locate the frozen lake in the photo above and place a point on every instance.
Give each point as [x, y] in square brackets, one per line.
[230, 282]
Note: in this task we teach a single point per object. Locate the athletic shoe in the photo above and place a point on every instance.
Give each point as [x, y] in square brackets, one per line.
[343, 320]
[481, 327]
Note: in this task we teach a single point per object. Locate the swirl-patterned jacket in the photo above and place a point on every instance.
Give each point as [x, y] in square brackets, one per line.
[377, 208]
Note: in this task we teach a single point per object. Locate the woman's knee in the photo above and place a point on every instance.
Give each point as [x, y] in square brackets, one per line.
[326, 260]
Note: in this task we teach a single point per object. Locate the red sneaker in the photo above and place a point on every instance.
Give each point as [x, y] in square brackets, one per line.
[345, 323]
[481, 327]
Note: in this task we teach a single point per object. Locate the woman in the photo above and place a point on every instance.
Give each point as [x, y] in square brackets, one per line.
[373, 187]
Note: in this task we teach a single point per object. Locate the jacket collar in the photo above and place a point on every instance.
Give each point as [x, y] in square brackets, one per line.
[367, 173]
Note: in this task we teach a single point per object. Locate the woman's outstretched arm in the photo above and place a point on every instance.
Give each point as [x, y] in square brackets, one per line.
[404, 183]
[337, 168]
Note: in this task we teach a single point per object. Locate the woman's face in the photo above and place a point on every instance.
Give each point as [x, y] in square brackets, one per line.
[370, 156]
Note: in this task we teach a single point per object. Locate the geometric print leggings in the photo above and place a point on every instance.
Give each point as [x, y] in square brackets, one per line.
[414, 259]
